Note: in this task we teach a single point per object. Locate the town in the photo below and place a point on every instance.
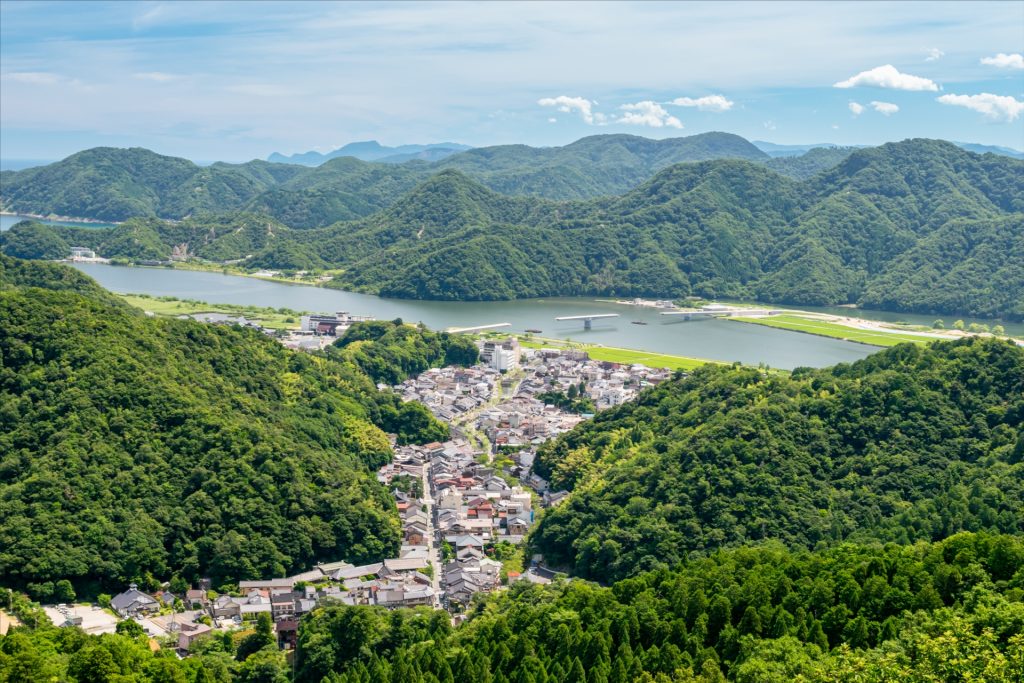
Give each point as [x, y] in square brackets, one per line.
[465, 505]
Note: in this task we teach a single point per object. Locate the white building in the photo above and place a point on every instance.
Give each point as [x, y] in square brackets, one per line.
[501, 355]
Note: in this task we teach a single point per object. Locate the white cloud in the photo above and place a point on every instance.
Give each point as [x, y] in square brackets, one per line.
[570, 104]
[886, 108]
[887, 77]
[1005, 61]
[716, 103]
[835, 126]
[33, 77]
[934, 54]
[856, 108]
[552, 120]
[995, 107]
[158, 76]
[769, 125]
[648, 113]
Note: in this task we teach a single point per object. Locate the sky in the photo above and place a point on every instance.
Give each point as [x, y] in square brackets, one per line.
[234, 81]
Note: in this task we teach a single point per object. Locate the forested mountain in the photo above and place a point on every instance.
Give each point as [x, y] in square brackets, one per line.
[133, 446]
[371, 150]
[593, 166]
[810, 163]
[911, 443]
[919, 225]
[947, 611]
[116, 184]
[112, 184]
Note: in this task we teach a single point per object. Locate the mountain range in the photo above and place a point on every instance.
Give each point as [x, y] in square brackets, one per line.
[371, 150]
[112, 184]
[918, 225]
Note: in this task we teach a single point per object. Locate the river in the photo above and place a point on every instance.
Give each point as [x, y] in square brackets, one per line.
[714, 339]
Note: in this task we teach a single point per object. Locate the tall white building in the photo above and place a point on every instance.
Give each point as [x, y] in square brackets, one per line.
[501, 355]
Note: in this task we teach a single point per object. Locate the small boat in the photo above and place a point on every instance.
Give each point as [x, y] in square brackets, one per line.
[535, 331]
[639, 322]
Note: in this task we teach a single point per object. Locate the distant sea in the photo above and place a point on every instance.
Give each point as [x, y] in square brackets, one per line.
[22, 164]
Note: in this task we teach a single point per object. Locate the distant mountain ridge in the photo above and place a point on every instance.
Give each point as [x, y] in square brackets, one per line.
[917, 226]
[371, 150]
[113, 184]
[775, 150]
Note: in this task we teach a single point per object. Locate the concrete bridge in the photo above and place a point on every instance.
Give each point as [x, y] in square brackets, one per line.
[478, 328]
[588, 320]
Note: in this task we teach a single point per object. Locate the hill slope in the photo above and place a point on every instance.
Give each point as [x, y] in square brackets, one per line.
[911, 443]
[117, 184]
[132, 446]
[919, 225]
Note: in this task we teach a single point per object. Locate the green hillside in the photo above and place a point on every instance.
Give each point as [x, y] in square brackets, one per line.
[911, 443]
[810, 163]
[133, 446]
[112, 184]
[117, 184]
[947, 611]
[919, 225]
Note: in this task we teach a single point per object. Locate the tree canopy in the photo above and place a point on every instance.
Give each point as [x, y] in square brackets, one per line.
[910, 443]
[134, 447]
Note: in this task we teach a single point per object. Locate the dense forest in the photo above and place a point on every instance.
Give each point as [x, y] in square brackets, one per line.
[919, 226]
[946, 611]
[391, 352]
[133, 447]
[910, 443]
[112, 184]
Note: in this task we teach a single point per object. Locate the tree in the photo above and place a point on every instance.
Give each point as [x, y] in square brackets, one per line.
[92, 664]
[178, 585]
[262, 638]
[63, 591]
[939, 324]
[958, 325]
[129, 628]
[998, 330]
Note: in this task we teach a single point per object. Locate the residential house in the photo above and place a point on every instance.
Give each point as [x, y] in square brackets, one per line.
[133, 602]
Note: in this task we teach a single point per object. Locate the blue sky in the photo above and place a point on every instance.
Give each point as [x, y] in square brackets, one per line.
[234, 81]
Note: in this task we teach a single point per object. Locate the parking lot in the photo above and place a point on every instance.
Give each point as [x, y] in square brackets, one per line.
[94, 620]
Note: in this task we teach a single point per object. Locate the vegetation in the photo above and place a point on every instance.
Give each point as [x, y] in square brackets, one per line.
[910, 443]
[117, 184]
[112, 184]
[810, 163]
[919, 225]
[391, 352]
[945, 611]
[133, 447]
[825, 328]
[573, 400]
[40, 651]
[276, 318]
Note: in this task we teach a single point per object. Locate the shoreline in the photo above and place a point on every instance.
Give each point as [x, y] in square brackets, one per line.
[61, 219]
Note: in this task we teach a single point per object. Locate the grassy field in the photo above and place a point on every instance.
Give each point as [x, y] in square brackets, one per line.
[617, 355]
[276, 318]
[824, 328]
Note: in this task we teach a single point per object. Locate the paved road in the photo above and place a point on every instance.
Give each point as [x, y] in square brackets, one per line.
[432, 540]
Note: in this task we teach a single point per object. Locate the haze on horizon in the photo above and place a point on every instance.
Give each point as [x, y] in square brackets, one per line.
[235, 81]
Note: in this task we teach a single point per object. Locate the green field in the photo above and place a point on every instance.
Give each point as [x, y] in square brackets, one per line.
[617, 355]
[824, 328]
[278, 319]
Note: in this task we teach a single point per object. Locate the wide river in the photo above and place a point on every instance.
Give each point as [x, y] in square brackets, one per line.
[715, 339]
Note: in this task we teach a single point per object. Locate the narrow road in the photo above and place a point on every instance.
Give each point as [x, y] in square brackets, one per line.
[432, 541]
